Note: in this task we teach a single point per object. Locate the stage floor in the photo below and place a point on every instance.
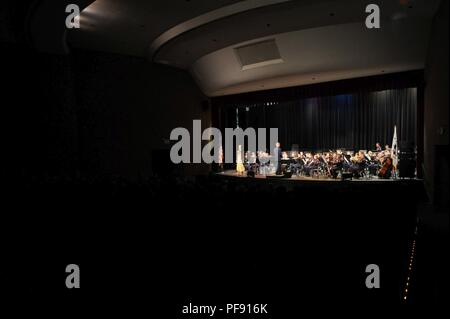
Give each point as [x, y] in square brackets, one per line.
[294, 178]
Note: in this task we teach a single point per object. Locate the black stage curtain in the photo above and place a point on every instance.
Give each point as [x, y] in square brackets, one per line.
[351, 121]
[353, 113]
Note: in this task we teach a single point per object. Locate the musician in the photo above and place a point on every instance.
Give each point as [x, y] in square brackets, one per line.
[380, 157]
[297, 165]
[359, 163]
[386, 168]
[372, 164]
[277, 157]
[262, 160]
[346, 164]
[361, 157]
[252, 158]
[378, 147]
[384, 155]
[337, 164]
[251, 161]
[312, 163]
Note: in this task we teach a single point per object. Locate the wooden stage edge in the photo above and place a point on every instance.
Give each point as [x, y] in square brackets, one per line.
[306, 179]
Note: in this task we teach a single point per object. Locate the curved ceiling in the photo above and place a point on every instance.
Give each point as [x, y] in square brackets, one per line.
[129, 27]
[344, 51]
[206, 18]
[318, 40]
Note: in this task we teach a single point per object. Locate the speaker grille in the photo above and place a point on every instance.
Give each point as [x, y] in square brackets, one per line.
[258, 54]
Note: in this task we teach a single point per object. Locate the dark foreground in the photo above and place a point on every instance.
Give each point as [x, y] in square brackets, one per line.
[159, 244]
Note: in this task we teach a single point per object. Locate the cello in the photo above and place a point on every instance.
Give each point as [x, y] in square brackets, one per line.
[385, 170]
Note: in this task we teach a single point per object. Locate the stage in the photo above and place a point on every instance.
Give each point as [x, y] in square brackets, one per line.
[302, 181]
[302, 178]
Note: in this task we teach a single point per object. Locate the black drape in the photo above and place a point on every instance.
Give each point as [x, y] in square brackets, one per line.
[351, 121]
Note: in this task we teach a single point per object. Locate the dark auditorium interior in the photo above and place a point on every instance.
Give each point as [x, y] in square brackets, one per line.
[348, 211]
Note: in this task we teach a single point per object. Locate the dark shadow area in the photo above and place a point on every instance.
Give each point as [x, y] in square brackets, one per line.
[169, 241]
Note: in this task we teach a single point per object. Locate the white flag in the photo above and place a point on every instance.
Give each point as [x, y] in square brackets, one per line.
[394, 148]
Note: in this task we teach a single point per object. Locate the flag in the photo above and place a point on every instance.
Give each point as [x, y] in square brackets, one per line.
[394, 148]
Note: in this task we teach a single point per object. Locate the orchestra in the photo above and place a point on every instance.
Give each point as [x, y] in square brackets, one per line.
[331, 163]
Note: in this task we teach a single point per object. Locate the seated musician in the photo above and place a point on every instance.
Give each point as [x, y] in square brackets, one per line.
[261, 160]
[307, 163]
[386, 168]
[378, 147]
[251, 160]
[373, 163]
[246, 162]
[380, 157]
[337, 163]
[384, 155]
[297, 163]
[359, 162]
[301, 161]
[312, 164]
[346, 164]
[303, 157]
